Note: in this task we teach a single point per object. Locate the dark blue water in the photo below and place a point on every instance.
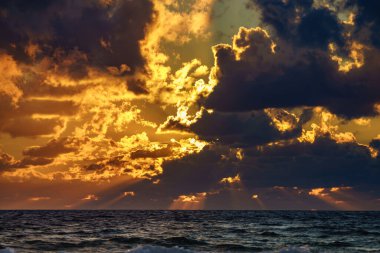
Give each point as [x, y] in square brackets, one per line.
[189, 231]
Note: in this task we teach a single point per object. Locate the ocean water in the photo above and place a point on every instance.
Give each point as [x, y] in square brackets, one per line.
[189, 231]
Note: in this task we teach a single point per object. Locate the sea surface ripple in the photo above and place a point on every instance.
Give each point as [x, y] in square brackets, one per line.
[189, 231]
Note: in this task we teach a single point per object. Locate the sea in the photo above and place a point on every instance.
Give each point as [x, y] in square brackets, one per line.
[189, 231]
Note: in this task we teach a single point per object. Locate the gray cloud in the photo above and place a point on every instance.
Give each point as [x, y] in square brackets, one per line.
[107, 34]
[251, 77]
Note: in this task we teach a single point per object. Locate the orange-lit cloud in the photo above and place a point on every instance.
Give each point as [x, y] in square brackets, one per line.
[90, 197]
[117, 105]
[189, 202]
[129, 194]
[39, 198]
[231, 180]
[332, 196]
[355, 59]
[9, 70]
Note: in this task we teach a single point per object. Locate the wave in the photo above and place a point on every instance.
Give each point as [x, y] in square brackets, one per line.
[295, 250]
[7, 250]
[269, 234]
[171, 241]
[160, 249]
[157, 249]
[181, 240]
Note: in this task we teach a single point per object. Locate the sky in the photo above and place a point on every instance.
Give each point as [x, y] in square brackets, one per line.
[197, 104]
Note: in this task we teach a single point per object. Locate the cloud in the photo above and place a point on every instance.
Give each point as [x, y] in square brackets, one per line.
[39, 198]
[9, 163]
[94, 91]
[36, 126]
[175, 24]
[129, 194]
[299, 23]
[10, 71]
[6, 161]
[248, 129]
[47, 106]
[194, 173]
[90, 197]
[324, 163]
[231, 180]
[367, 21]
[34, 161]
[108, 34]
[252, 74]
[163, 152]
[26, 99]
[42, 116]
[189, 202]
[375, 143]
[267, 171]
[52, 149]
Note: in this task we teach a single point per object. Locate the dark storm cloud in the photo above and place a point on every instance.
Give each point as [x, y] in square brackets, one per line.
[282, 176]
[375, 143]
[367, 21]
[299, 23]
[251, 77]
[243, 129]
[324, 163]
[194, 173]
[108, 34]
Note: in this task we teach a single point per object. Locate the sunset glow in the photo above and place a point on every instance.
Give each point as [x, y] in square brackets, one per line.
[200, 104]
